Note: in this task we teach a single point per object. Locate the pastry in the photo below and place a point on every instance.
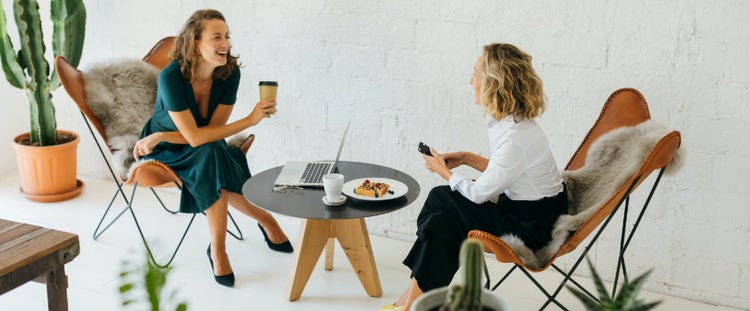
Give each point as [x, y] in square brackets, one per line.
[372, 189]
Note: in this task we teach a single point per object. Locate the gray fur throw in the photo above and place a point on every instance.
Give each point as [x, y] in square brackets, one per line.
[122, 95]
[611, 161]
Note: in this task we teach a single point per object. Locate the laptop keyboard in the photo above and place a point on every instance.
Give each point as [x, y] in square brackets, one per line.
[314, 172]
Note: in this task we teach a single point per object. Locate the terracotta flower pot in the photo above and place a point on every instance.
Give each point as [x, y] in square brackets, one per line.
[48, 173]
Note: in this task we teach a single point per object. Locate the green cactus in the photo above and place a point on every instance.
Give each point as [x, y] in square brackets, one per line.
[27, 69]
[467, 296]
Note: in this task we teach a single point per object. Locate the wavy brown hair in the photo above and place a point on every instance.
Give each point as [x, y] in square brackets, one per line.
[510, 86]
[186, 51]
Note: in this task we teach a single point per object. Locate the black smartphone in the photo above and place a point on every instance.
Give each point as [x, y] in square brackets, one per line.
[424, 149]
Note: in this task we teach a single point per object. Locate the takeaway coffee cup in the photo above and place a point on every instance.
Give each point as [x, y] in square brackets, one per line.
[267, 89]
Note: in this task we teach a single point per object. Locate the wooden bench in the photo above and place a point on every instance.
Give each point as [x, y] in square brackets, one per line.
[32, 253]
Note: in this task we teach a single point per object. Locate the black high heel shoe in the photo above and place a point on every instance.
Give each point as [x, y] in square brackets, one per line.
[284, 247]
[226, 280]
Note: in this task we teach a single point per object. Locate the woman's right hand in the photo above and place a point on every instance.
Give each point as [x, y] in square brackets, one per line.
[263, 109]
[145, 145]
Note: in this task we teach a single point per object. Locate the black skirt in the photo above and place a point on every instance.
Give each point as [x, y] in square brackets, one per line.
[447, 217]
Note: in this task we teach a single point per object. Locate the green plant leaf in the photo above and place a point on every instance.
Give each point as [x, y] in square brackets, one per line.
[147, 287]
[69, 19]
[590, 304]
[600, 289]
[624, 301]
[125, 288]
[11, 66]
[628, 292]
[645, 307]
[155, 279]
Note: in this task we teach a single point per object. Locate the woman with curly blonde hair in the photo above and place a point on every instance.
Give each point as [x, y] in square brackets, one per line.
[519, 190]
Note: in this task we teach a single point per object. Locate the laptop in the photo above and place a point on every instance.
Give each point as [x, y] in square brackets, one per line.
[309, 174]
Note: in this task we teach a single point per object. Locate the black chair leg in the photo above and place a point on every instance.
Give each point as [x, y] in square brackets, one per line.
[238, 235]
[143, 238]
[98, 233]
[550, 298]
[580, 287]
[504, 277]
[163, 206]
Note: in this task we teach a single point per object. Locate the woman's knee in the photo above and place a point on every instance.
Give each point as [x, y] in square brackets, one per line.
[436, 200]
[441, 226]
[438, 194]
[220, 203]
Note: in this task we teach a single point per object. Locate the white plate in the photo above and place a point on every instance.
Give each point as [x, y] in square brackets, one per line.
[399, 189]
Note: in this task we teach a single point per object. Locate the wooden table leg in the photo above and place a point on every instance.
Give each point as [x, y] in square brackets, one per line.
[311, 239]
[329, 254]
[316, 234]
[57, 289]
[355, 240]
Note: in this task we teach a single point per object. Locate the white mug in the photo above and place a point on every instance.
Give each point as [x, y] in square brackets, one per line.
[333, 184]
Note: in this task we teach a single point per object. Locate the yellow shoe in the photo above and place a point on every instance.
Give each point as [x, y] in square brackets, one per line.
[391, 307]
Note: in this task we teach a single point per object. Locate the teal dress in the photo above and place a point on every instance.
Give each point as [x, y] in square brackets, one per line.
[205, 169]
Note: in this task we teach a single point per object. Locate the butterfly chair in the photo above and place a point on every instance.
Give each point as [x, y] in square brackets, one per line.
[144, 174]
[596, 190]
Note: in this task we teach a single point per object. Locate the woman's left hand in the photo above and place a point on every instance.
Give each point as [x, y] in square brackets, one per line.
[436, 164]
[263, 109]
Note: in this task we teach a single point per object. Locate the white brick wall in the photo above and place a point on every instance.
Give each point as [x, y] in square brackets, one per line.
[400, 69]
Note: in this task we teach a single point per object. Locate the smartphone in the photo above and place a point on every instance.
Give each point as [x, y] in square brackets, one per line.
[424, 149]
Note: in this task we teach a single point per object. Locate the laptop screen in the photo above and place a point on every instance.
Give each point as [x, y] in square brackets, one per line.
[341, 145]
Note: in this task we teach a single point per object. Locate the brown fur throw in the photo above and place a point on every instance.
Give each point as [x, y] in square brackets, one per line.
[122, 95]
[611, 161]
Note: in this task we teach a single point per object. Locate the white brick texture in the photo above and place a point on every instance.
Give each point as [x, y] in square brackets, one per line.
[400, 69]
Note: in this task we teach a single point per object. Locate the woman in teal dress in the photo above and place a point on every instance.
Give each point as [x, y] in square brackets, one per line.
[195, 97]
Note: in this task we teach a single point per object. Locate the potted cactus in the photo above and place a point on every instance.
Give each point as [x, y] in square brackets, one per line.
[468, 294]
[27, 69]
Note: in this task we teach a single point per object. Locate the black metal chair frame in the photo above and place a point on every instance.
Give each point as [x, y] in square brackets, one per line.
[129, 207]
[624, 243]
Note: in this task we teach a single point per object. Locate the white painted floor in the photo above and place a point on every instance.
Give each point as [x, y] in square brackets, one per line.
[261, 273]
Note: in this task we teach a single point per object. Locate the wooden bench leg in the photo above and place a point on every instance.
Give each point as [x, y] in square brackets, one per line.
[57, 290]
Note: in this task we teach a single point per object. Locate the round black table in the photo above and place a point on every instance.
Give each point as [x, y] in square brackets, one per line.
[308, 203]
[321, 224]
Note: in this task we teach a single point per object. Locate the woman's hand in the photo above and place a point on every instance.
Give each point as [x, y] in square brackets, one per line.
[437, 163]
[453, 159]
[263, 109]
[145, 145]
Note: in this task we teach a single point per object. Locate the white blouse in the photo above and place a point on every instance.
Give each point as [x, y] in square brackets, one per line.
[521, 165]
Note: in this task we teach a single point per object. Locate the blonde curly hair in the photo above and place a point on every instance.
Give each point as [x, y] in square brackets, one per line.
[186, 50]
[510, 86]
